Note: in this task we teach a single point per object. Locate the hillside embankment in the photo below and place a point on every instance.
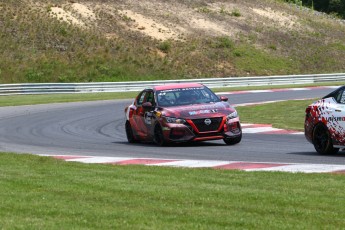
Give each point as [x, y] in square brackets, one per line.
[127, 40]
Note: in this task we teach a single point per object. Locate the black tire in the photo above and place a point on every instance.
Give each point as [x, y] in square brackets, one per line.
[233, 141]
[158, 136]
[129, 133]
[322, 140]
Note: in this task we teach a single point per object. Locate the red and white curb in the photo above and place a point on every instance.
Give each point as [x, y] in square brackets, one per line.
[266, 129]
[226, 165]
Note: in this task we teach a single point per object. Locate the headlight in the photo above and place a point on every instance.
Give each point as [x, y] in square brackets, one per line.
[174, 120]
[232, 115]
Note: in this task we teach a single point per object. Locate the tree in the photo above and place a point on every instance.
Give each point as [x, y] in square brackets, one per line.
[337, 6]
[327, 6]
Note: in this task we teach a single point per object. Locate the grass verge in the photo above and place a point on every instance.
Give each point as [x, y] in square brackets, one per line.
[16, 100]
[285, 115]
[44, 193]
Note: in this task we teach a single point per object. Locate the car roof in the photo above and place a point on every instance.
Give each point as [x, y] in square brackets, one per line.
[177, 86]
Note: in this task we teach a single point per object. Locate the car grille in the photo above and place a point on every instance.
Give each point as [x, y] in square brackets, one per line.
[202, 127]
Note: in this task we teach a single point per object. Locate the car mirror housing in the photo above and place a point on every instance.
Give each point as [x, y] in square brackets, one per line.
[147, 105]
[223, 98]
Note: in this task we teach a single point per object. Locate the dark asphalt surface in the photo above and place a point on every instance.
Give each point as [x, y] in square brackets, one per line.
[97, 129]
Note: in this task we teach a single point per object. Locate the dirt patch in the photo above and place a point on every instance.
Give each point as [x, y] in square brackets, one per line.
[61, 14]
[83, 11]
[208, 26]
[164, 20]
[150, 27]
[76, 13]
[281, 19]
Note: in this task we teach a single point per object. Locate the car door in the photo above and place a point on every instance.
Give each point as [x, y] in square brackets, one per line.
[138, 113]
[147, 113]
[334, 115]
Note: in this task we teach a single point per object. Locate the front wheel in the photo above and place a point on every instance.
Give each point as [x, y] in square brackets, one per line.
[233, 141]
[129, 133]
[322, 140]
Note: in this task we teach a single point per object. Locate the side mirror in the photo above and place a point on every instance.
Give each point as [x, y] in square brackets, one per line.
[147, 105]
[223, 98]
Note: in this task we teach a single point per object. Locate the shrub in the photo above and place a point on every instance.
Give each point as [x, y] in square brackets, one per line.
[165, 46]
[223, 42]
[235, 13]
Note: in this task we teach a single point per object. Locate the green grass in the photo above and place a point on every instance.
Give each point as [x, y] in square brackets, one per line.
[285, 115]
[57, 98]
[251, 60]
[44, 193]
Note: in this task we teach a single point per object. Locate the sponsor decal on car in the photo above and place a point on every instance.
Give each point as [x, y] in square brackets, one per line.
[332, 119]
[205, 111]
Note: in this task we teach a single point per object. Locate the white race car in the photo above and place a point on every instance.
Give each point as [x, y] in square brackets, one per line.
[324, 124]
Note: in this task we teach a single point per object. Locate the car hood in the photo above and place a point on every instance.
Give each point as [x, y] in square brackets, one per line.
[199, 110]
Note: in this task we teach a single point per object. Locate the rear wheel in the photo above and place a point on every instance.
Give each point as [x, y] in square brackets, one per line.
[233, 141]
[129, 133]
[322, 140]
[158, 136]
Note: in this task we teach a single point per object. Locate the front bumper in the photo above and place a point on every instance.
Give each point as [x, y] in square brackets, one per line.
[191, 132]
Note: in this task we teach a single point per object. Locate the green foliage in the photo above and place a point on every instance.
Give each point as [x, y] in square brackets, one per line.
[334, 7]
[297, 2]
[250, 60]
[126, 18]
[165, 46]
[34, 75]
[236, 13]
[222, 42]
[204, 9]
[272, 47]
[328, 6]
[338, 7]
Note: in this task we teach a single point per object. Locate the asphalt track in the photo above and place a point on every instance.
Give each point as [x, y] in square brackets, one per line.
[97, 129]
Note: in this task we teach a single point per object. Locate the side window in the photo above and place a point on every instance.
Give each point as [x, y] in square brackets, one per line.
[141, 97]
[341, 96]
[150, 97]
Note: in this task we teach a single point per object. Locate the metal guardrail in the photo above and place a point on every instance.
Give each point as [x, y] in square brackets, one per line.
[96, 87]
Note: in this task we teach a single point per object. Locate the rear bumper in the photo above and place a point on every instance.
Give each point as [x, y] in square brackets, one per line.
[308, 131]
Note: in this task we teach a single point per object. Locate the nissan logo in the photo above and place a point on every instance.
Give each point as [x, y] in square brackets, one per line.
[207, 121]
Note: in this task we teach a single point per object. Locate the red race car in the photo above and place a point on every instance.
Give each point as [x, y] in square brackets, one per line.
[181, 113]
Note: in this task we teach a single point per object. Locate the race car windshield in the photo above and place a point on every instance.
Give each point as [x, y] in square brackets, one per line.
[185, 96]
